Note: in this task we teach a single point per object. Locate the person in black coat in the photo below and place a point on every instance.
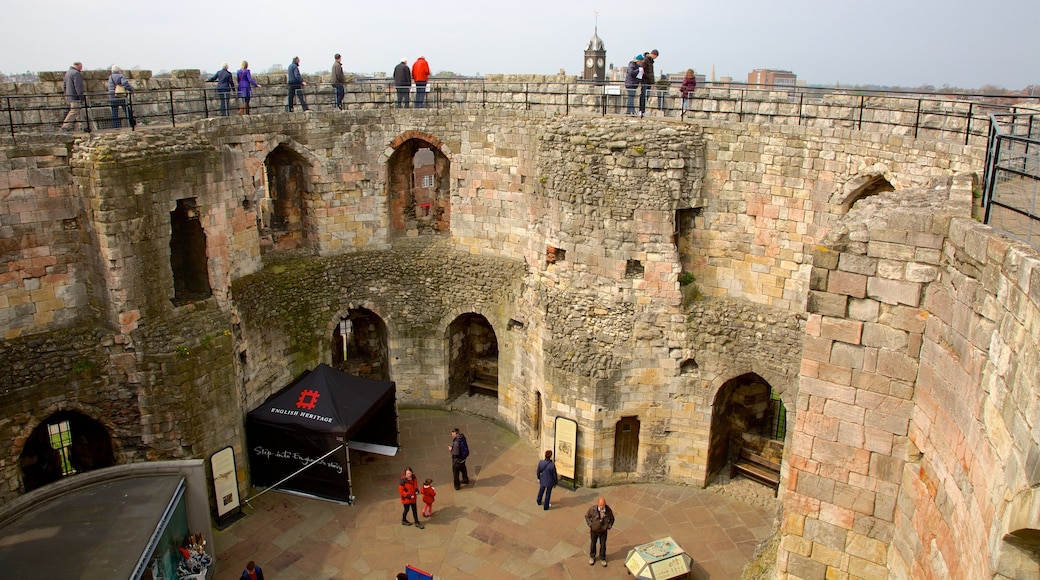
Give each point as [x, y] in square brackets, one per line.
[403, 82]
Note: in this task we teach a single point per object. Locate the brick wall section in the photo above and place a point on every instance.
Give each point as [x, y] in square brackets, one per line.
[774, 191]
[43, 273]
[911, 444]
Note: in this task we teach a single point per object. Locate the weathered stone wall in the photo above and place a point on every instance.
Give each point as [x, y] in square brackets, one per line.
[912, 455]
[563, 236]
[44, 270]
[774, 191]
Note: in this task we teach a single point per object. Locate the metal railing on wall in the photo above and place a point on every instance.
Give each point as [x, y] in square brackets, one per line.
[1011, 183]
[963, 118]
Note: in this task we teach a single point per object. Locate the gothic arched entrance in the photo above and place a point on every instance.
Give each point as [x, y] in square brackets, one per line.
[419, 190]
[65, 444]
[359, 345]
[282, 212]
[472, 357]
[746, 414]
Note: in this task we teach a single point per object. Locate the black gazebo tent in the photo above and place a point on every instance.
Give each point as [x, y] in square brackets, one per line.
[319, 412]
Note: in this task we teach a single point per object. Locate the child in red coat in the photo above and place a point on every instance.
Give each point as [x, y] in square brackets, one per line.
[428, 493]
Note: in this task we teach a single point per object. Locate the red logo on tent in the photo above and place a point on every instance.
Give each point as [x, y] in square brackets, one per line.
[308, 399]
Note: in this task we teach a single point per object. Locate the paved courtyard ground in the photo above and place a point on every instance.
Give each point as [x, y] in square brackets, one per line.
[491, 529]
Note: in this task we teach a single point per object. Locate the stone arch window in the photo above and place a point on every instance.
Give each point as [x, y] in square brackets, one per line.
[1020, 557]
[360, 346]
[472, 357]
[872, 185]
[284, 221]
[65, 444]
[626, 445]
[419, 190]
[188, 254]
[746, 414]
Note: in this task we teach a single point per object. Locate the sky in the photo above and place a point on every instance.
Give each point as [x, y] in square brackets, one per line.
[910, 43]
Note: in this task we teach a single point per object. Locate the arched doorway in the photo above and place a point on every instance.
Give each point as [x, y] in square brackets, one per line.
[65, 444]
[867, 187]
[188, 254]
[626, 445]
[282, 213]
[359, 345]
[472, 357]
[747, 414]
[419, 190]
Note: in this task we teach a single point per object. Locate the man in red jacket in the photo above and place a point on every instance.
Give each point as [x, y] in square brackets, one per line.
[420, 75]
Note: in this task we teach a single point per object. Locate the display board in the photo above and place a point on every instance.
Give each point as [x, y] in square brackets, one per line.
[565, 449]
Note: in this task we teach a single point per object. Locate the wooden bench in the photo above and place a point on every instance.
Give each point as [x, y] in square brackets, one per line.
[484, 384]
[758, 468]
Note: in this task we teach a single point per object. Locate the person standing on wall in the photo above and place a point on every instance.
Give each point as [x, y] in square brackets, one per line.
[119, 89]
[421, 75]
[245, 88]
[459, 449]
[408, 488]
[600, 518]
[662, 91]
[689, 83]
[633, 75]
[403, 82]
[225, 84]
[296, 84]
[648, 79]
[338, 79]
[547, 479]
[75, 95]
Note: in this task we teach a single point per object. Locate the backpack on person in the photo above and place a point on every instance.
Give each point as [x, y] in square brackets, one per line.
[463, 447]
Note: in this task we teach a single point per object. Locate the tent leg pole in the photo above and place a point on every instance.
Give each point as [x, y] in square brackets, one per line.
[350, 482]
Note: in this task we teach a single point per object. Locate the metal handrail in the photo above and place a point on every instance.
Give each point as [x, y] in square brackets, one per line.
[1013, 172]
[859, 110]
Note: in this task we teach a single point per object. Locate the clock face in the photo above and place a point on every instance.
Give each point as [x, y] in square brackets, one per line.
[588, 62]
[599, 63]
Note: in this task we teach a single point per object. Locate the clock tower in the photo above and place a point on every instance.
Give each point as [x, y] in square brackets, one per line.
[595, 60]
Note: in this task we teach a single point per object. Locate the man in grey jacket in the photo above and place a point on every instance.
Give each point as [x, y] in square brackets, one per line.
[75, 95]
[337, 81]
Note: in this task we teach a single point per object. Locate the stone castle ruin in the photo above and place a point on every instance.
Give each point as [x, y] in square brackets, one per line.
[818, 296]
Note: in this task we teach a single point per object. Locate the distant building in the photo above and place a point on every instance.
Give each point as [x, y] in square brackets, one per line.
[771, 78]
[595, 59]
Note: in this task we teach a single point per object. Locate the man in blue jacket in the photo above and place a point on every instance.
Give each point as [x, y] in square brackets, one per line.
[547, 479]
[296, 84]
[225, 85]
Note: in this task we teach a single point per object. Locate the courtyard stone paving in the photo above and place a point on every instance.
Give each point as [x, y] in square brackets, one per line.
[489, 529]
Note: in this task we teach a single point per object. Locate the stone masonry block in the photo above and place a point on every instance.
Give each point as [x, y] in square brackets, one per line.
[897, 365]
[858, 264]
[885, 337]
[869, 549]
[917, 272]
[827, 304]
[890, 251]
[847, 283]
[824, 257]
[894, 291]
[865, 310]
[827, 390]
[826, 534]
[846, 355]
[842, 330]
[839, 456]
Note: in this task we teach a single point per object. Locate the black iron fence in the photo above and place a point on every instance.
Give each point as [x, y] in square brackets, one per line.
[960, 118]
[1011, 184]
